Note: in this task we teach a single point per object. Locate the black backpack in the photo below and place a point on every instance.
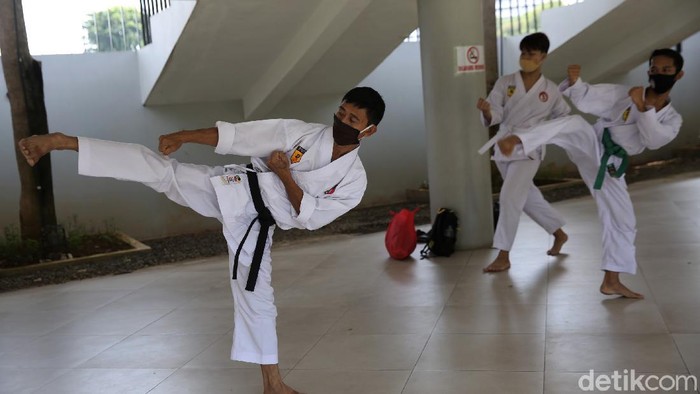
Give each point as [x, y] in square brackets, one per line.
[443, 235]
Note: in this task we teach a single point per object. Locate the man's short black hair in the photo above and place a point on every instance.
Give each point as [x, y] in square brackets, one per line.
[535, 42]
[668, 52]
[368, 99]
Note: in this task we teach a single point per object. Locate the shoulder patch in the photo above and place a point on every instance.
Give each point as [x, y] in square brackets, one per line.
[331, 190]
[297, 154]
[626, 114]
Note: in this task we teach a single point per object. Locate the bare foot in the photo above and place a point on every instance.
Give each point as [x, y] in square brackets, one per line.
[620, 289]
[612, 286]
[507, 144]
[284, 389]
[560, 239]
[501, 263]
[272, 381]
[35, 147]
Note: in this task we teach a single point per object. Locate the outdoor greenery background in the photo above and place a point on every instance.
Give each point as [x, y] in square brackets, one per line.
[115, 29]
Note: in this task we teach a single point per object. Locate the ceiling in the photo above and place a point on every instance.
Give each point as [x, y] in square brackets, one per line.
[261, 51]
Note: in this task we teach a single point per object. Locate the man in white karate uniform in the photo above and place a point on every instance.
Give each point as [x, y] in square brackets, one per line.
[301, 175]
[630, 120]
[522, 99]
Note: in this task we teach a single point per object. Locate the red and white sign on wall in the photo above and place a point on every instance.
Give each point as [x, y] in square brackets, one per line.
[470, 59]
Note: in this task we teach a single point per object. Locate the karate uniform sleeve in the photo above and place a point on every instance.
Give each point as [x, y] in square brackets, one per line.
[259, 138]
[497, 101]
[654, 134]
[543, 133]
[316, 212]
[593, 99]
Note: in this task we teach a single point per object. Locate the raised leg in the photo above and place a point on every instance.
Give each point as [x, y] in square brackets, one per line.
[35, 147]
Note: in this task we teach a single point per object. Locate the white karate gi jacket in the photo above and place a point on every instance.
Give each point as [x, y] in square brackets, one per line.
[512, 106]
[330, 188]
[633, 130]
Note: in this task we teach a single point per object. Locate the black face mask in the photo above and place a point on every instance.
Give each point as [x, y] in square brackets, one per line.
[344, 134]
[661, 83]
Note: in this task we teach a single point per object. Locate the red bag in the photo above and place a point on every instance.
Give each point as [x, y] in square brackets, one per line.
[400, 239]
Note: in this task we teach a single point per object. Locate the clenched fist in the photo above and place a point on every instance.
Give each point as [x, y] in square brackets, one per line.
[573, 72]
[637, 96]
[278, 162]
[483, 105]
[169, 143]
[485, 108]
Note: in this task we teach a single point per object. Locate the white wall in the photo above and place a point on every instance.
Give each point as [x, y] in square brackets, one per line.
[558, 19]
[98, 95]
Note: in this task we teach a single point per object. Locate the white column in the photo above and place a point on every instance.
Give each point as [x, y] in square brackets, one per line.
[459, 177]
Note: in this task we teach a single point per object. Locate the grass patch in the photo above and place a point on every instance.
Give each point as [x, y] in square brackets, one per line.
[71, 239]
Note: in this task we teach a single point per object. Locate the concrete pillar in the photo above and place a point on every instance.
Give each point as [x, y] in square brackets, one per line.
[458, 176]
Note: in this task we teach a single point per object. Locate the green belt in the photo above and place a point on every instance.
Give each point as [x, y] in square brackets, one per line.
[610, 149]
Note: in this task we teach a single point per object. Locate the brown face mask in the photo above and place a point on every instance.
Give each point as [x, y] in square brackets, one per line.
[344, 134]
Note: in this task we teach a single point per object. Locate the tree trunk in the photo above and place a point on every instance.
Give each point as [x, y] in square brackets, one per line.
[25, 89]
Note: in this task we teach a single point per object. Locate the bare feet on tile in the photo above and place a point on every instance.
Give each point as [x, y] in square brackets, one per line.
[612, 286]
[501, 263]
[560, 239]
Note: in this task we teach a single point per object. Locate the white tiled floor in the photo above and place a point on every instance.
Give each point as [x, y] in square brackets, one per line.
[351, 320]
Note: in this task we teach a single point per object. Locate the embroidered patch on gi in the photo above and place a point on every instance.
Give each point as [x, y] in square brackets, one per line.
[511, 90]
[544, 97]
[626, 114]
[228, 179]
[331, 190]
[298, 153]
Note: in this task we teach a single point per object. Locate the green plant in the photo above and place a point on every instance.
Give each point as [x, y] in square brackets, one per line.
[13, 248]
[110, 226]
[75, 232]
[78, 233]
[80, 240]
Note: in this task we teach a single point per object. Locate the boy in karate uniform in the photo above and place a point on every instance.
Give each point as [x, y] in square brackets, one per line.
[630, 120]
[522, 100]
[301, 175]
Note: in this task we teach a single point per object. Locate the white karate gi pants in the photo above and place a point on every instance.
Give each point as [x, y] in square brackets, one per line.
[254, 334]
[582, 143]
[519, 194]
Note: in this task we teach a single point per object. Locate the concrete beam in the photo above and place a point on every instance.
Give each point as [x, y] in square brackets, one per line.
[323, 28]
[166, 28]
[624, 38]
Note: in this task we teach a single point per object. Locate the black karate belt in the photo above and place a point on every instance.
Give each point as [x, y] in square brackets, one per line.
[266, 221]
[610, 148]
